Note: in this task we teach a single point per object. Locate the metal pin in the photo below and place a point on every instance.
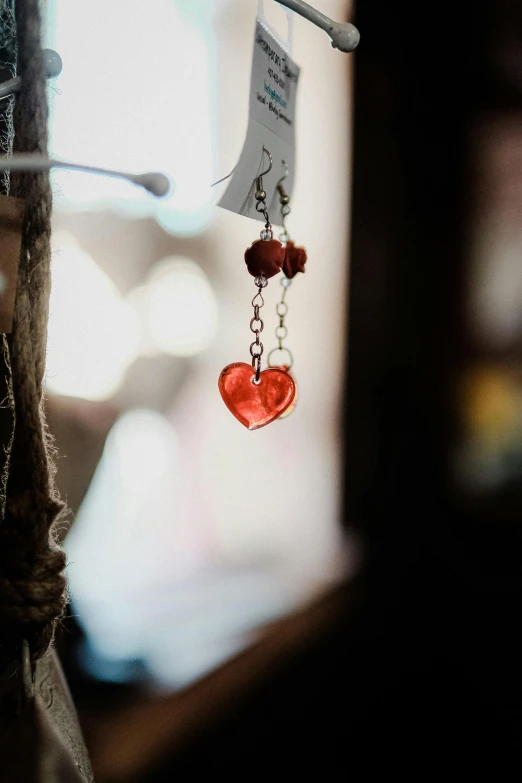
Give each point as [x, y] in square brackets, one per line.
[153, 181]
[53, 67]
[345, 36]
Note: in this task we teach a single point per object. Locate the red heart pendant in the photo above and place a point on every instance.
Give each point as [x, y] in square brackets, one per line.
[255, 405]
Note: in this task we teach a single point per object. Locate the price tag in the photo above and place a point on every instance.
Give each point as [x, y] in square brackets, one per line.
[272, 110]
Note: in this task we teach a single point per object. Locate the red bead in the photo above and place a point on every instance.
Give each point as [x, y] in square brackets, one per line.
[295, 260]
[255, 405]
[265, 257]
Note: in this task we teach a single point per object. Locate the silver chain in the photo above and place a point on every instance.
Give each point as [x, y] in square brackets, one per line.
[281, 331]
[257, 326]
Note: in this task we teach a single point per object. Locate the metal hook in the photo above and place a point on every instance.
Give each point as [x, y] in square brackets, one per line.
[287, 169]
[279, 187]
[269, 169]
[259, 179]
[284, 200]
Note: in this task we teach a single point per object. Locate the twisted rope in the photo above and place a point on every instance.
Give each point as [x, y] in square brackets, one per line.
[32, 584]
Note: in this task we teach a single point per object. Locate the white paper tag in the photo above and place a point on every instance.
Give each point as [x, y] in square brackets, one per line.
[289, 42]
[272, 109]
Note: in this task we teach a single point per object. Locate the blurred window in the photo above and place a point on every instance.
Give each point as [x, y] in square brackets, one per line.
[193, 532]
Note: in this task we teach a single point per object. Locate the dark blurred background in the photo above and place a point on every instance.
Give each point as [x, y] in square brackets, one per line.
[413, 665]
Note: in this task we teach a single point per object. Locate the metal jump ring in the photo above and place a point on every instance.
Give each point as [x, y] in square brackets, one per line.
[258, 320]
[290, 357]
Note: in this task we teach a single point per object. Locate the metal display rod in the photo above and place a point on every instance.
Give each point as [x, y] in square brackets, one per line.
[345, 36]
[154, 182]
[53, 67]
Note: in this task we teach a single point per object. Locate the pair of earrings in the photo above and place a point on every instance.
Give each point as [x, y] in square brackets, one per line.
[257, 397]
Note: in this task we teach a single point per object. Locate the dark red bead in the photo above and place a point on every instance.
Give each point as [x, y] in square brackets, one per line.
[265, 257]
[295, 260]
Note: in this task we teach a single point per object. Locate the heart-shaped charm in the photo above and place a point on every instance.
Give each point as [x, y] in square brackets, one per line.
[255, 405]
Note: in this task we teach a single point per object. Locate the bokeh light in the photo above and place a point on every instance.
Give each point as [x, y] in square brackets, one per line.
[93, 333]
[178, 309]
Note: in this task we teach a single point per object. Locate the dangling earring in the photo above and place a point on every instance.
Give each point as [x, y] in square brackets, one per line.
[295, 260]
[256, 398]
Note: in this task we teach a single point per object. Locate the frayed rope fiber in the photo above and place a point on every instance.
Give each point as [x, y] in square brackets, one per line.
[32, 582]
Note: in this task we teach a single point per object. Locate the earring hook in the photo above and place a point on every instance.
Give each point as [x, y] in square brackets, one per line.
[259, 178]
[269, 169]
[284, 200]
[260, 196]
[285, 175]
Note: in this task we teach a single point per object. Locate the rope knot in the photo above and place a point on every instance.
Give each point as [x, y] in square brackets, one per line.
[33, 588]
